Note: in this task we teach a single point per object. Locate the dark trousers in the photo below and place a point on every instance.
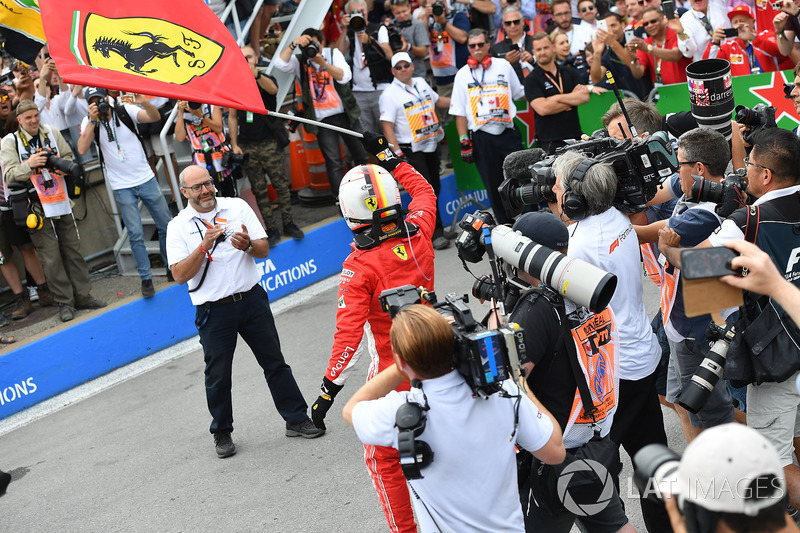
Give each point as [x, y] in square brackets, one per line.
[638, 422]
[251, 318]
[490, 151]
[329, 146]
[427, 164]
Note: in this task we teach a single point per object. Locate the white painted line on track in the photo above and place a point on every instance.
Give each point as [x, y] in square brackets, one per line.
[139, 367]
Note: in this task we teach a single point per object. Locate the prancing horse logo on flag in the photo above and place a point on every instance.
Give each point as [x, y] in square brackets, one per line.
[148, 47]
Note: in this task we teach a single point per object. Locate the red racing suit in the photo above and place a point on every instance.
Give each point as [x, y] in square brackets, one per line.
[765, 49]
[365, 274]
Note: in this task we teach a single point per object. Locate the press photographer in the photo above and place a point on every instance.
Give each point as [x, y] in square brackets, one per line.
[324, 78]
[765, 354]
[729, 480]
[703, 156]
[24, 158]
[366, 47]
[471, 452]
[565, 345]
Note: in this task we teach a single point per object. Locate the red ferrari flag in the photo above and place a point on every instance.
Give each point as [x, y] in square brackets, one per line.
[177, 49]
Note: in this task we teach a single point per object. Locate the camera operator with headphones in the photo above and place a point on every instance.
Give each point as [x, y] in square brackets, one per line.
[603, 236]
[389, 250]
[324, 78]
[764, 353]
[564, 341]
[471, 455]
[25, 160]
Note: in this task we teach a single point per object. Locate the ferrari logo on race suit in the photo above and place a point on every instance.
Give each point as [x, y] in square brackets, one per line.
[372, 203]
[400, 251]
[149, 47]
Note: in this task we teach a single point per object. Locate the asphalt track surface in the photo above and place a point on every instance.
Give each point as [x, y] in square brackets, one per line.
[133, 452]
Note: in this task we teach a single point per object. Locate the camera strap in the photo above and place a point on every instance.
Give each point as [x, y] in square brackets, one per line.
[583, 388]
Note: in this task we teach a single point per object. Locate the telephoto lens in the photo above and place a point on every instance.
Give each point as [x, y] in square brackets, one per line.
[696, 393]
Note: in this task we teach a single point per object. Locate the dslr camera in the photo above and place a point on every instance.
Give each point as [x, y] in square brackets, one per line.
[438, 8]
[729, 195]
[55, 163]
[484, 357]
[231, 160]
[759, 118]
[103, 107]
[581, 282]
[357, 22]
[310, 50]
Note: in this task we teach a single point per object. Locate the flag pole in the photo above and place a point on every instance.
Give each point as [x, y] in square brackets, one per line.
[315, 123]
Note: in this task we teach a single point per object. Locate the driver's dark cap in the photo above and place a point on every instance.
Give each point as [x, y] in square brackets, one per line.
[91, 92]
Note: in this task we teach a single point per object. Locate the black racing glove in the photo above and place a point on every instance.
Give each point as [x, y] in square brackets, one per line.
[375, 143]
[324, 402]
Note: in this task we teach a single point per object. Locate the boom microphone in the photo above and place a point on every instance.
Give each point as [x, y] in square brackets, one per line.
[517, 165]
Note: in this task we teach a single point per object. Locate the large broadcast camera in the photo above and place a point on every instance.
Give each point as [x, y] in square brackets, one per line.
[759, 118]
[581, 282]
[485, 357]
[640, 166]
[729, 195]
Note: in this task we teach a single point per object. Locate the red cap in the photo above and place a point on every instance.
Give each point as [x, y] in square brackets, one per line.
[741, 9]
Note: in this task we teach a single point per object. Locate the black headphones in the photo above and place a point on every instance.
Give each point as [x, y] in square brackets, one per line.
[410, 422]
[574, 205]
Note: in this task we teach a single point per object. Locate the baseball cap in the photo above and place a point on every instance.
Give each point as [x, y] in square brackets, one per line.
[400, 56]
[741, 9]
[26, 105]
[727, 468]
[543, 228]
[91, 92]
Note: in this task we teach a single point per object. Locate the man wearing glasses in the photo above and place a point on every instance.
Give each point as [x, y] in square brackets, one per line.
[703, 153]
[211, 245]
[578, 35]
[516, 46]
[483, 104]
[772, 178]
[588, 14]
[664, 54]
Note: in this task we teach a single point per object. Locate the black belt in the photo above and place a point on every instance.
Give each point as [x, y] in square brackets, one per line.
[235, 297]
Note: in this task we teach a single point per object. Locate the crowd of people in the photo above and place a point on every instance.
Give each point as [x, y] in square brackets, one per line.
[397, 72]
